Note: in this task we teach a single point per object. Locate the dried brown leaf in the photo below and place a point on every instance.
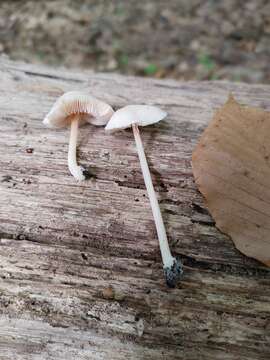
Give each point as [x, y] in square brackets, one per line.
[231, 166]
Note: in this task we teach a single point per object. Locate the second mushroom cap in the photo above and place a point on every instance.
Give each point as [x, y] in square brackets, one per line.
[142, 115]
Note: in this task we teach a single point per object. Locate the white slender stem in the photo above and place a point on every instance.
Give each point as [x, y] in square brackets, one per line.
[167, 258]
[76, 171]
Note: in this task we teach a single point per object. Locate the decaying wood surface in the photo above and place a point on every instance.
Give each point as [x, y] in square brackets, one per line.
[81, 274]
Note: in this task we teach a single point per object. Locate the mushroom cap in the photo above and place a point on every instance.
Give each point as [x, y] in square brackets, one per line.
[141, 115]
[72, 103]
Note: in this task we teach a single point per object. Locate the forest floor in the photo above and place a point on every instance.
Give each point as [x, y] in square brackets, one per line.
[185, 40]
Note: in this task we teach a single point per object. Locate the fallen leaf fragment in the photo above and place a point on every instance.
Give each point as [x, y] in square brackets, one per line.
[231, 166]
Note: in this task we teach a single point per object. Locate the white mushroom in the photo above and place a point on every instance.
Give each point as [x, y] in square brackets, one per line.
[142, 115]
[75, 108]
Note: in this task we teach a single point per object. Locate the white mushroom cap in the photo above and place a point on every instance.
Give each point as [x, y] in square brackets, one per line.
[141, 115]
[73, 103]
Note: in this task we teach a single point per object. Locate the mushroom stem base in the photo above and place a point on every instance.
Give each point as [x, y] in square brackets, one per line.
[173, 273]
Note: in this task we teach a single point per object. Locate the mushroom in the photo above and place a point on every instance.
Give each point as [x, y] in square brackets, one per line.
[75, 108]
[142, 115]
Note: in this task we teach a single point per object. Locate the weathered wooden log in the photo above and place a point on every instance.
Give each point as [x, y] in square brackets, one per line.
[81, 274]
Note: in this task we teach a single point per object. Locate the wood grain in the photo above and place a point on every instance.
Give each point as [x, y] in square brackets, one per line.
[81, 274]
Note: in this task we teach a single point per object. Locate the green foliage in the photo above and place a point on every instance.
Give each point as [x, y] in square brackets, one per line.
[150, 69]
[206, 61]
[123, 60]
[119, 10]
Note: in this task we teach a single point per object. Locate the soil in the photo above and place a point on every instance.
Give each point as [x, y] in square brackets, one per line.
[182, 39]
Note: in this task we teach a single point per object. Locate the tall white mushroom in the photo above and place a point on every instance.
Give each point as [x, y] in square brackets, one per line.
[142, 115]
[75, 108]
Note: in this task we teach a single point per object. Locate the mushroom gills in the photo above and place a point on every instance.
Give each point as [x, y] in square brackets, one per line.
[72, 109]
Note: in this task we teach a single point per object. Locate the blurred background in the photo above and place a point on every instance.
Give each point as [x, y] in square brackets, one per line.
[181, 39]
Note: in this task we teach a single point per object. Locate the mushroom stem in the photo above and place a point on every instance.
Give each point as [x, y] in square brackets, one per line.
[76, 171]
[172, 266]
